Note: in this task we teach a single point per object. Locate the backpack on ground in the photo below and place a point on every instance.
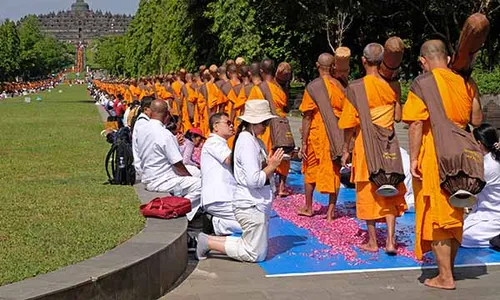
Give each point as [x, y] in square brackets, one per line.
[120, 159]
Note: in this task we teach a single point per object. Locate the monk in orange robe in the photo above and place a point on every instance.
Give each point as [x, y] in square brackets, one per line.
[438, 224]
[189, 103]
[221, 79]
[384, 105]
[229, 92]
[207, 101]
[268, 70]
[243, 91]
[320, 172]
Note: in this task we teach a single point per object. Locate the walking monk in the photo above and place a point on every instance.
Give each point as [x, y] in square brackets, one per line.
[229, 91]
[189, 103]
[438, 224]
[384, 105]
[318, 167]
[268, 70]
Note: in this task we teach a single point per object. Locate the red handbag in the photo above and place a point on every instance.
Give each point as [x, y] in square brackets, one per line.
[166, 207]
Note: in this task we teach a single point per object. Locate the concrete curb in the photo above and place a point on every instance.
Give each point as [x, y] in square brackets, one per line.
[144, 267]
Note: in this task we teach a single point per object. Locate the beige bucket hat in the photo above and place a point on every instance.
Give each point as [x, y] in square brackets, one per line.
[257, 111]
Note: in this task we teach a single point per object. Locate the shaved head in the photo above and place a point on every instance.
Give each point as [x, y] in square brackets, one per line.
[267, 67]
[374, 54]
[159, 109]
[232, 69]
[255, 69]
[434, 50]
[222, 69]
[244, 71]
[202, 68]
[189, 76]
[229, 62]
[325, 61]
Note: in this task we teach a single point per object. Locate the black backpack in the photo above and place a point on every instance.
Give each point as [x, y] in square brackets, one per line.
[120, 158]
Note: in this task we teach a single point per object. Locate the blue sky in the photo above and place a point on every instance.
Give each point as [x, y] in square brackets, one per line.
[15, 9]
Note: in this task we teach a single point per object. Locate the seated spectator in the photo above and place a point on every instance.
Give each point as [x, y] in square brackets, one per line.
[130, 113]
[137, 127]
[217, 181]
[192, 139]
[253, 171]
[161, 160]
[483, 223]
[174, 126]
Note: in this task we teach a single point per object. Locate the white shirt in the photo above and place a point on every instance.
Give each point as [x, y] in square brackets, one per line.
[140, 123]
[217, 181]
[158, 151]
[251, 189]
[488, 200]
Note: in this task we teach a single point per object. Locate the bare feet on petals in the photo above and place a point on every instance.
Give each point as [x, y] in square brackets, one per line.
[305, 212]
[369, 247]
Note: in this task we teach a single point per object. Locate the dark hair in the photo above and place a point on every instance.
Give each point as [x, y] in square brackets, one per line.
[487, 135]
[243, 125]
[215, 118]
[172, 124]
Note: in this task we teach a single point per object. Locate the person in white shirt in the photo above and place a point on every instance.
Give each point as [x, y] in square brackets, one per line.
[483, 223]
[253, 171]
[217, 181]
[137, 130]
[161, 160]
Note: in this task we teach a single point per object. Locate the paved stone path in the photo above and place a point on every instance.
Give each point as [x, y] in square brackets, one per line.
[222, 278]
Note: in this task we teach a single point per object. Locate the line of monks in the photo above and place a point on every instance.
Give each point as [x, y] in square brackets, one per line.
[16, 88]
[195, 97]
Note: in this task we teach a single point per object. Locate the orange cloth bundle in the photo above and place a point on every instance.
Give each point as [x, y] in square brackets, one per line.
[394, 50]
[472, 38]
[342, 58]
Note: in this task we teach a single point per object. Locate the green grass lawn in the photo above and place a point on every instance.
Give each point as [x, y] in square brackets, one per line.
[54, 208]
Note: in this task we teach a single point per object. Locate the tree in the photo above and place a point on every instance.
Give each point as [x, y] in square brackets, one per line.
[9, 51]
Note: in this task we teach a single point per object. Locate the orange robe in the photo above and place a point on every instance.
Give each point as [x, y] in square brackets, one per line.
[204, 105]
[435, 218]
[280, 101]
[318, 168]
[192, 98]
[381, 101]
[136, 92]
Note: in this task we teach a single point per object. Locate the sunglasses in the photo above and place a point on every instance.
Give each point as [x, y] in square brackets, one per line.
[229, 123]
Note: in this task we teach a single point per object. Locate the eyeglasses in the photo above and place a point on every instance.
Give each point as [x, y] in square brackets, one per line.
[229, 123]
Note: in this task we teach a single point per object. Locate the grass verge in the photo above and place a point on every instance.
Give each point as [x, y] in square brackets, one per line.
[55, 210]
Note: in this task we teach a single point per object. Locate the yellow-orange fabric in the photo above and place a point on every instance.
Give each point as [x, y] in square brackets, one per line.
[280, 102]
[435, 218]
[318, 168]
[381, 101]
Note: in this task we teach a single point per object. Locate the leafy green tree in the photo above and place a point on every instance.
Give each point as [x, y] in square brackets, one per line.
[234, 23]
[9, 51]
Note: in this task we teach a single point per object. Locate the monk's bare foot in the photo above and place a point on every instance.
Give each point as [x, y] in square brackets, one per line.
[439, 283]
[284, 194]
[330, 215]
[390, 249]
[305, 212]
[369, 247]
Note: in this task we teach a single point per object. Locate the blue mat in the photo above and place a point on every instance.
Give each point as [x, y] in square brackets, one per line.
[293, 250]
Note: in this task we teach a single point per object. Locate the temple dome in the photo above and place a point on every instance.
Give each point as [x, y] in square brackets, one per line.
[80, 6]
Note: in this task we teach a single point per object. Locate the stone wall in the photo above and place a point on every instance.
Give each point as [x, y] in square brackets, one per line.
[491, 109]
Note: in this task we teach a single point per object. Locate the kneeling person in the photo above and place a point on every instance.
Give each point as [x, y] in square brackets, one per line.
[218, 183]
